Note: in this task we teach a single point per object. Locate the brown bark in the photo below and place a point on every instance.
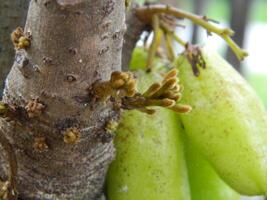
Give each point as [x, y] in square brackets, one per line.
[74, 43]
[12, 14]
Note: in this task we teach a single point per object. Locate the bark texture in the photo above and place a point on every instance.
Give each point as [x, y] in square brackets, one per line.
[12, 14]
[74, 44]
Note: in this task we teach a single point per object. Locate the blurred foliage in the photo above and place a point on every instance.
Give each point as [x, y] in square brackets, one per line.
[259, 82]
[219, 10]
[259, 11]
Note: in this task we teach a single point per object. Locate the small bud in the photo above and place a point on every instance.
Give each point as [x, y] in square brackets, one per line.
[72, 136]
[160, 102]
[152, 89]
[179, 108]
[168, 103]
[172, 95]
[176, 96]
[169, 84]
[19, 39]
[115, 75]
[40, 144]
[23, 43]
[119, 75]
[111, 126]
[130, 93]
[176, 88]
[116, 84]
[34, 108]
[131, 84]
[171, 74]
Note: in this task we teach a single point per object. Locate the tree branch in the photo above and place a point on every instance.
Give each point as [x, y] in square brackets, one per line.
[63, 134]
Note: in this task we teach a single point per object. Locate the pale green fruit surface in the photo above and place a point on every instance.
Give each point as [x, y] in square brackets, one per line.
[149, 163]
[228, 123]
[205, 184]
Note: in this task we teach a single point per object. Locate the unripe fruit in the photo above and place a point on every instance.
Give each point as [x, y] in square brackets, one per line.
[150, 163]
[228, 123]
[205, 184]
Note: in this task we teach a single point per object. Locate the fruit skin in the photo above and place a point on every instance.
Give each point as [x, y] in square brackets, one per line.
[228, 123]
[150, 163]
[205, 184]
[139, 60]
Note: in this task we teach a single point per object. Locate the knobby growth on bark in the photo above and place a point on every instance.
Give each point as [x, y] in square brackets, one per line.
[13, 13]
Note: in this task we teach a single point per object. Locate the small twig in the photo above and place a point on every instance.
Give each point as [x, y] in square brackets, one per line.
[175, 36]
[169, 46]
[146, 12]
[155, 42]
[240, 53]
